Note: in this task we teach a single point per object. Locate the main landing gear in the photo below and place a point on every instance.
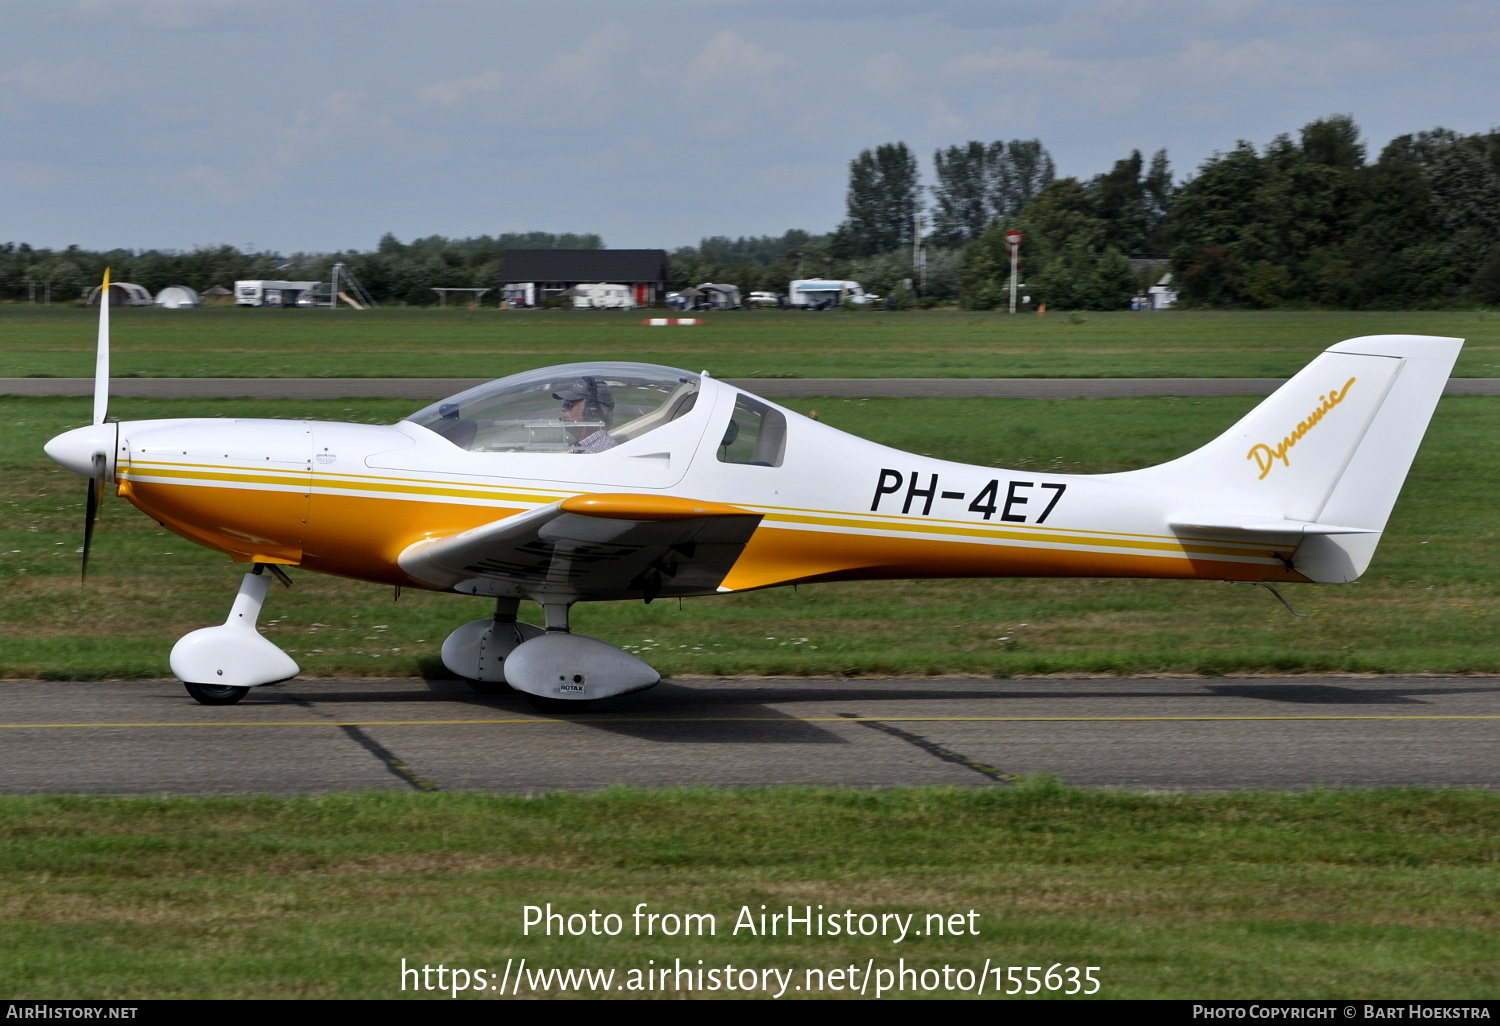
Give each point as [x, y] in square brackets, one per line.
[219, 665]
[557, 671]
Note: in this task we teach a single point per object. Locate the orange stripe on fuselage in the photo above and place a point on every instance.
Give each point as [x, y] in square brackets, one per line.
[781, 556]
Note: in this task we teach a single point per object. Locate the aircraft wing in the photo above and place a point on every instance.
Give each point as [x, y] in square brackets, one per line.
[603, 546]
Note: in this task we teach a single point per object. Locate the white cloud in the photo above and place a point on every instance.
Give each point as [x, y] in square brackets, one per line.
[1261, 62]
[159, 14]
[449, 93]
[586, 75]
[884, 73]
[214, 182]
[182, 14]
[338, 118]
[75, 83]
[728, 65]
[1004, 61]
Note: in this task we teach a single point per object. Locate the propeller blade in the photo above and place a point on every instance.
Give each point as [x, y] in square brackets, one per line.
[101, 355]
[91, 508]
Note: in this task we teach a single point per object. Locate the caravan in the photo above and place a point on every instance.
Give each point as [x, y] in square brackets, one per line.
[271, 293]
[826, 294]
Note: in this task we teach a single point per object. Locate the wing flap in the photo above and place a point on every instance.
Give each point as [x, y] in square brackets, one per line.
[591, 547]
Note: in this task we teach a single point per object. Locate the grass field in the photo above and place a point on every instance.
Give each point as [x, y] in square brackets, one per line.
[1430, 603]
[244, 342]
[1353, 894]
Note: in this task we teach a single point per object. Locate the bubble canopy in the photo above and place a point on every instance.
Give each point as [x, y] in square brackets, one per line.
[571, 408]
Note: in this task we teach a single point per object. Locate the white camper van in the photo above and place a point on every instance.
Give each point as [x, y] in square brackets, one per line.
[826, 293]
[270, 293]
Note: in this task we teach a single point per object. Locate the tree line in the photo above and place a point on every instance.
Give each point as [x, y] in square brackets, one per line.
[1306, 220]
[394, 272]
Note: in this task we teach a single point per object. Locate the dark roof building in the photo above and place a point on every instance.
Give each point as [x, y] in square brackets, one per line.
[554, 271]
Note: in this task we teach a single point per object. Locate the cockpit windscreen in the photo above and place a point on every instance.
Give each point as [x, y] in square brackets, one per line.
[574, 408]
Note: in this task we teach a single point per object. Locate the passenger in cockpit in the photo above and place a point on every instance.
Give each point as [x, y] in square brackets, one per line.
[589, 403]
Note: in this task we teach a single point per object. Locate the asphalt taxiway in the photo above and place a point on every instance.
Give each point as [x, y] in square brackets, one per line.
[1140, 733]
[432, 389]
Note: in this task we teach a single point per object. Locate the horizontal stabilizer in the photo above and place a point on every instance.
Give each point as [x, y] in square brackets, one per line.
[1260, 526]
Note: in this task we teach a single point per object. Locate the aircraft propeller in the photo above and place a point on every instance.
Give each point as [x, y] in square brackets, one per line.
[99, 460]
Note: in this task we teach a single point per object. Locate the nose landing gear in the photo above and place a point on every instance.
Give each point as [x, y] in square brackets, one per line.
[219, 665]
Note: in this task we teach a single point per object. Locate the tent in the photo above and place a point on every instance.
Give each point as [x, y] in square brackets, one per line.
[721, 297]
[122, 293]
[175, 297]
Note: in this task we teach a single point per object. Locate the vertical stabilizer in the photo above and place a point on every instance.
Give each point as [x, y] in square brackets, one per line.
[1327, 452]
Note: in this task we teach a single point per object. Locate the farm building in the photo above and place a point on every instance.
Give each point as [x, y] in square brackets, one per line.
[549, 273]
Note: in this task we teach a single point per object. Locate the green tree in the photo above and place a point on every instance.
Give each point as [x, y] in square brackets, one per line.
[1066, 259]
[1021, 169]
[1157, 195]
[961, 201]
[1280, 212]
[985, 271]
[1486, 284]
[1120, 201]
[882, 202]
[1334, 142]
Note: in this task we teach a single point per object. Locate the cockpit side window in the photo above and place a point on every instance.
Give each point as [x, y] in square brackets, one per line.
[755, 436]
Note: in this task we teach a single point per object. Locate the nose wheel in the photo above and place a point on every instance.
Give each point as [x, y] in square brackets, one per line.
[216, 694]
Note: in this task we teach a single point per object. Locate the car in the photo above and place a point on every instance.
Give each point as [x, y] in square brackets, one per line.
[764, 299]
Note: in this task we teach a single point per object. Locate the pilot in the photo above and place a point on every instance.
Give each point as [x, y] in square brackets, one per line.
[588, 403]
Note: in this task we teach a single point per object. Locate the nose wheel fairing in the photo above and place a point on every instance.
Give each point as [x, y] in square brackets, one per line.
[233, 654]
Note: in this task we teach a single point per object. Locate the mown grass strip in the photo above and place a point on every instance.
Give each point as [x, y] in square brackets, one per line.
[1361, 893]
[59, 341]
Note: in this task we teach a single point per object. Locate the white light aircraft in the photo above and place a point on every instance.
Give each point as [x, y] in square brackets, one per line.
[626, 481]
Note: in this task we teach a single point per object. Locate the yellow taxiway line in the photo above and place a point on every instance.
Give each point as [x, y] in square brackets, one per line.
[585, 718]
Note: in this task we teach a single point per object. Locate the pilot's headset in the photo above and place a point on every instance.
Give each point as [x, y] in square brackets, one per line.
[598, 401]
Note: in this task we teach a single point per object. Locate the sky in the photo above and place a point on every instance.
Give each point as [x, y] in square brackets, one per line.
[313, 127]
